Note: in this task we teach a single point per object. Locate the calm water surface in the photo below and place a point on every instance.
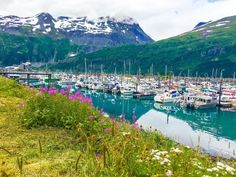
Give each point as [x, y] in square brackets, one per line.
[213, 130]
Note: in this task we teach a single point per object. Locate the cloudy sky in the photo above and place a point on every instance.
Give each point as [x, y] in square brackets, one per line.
[159, 18]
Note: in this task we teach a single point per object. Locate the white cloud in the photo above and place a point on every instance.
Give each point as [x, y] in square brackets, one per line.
[159, 18]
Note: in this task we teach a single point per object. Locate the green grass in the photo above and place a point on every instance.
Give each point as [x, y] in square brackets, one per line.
[96, 146]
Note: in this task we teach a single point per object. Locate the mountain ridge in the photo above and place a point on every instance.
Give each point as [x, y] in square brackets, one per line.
[97, 33]
[202, 50]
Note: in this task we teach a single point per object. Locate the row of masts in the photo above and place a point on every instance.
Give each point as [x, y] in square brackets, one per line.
[167, 75]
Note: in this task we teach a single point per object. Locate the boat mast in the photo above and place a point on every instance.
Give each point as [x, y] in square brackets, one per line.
[220, 92]
[124, 67]
[234, 78]
[85, 67]
[165, 72]
[129, 67]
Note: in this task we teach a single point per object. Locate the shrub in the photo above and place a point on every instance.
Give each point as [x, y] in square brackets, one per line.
[51, 108]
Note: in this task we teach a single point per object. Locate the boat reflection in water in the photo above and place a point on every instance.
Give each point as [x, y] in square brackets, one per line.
[211, 130]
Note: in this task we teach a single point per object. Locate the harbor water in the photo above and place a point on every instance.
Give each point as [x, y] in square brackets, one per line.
[213, 130]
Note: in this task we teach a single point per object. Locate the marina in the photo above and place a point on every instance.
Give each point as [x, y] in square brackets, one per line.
[201, 113]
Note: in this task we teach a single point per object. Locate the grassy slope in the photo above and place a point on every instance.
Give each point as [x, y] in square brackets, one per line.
[127, 152]
[197, 50]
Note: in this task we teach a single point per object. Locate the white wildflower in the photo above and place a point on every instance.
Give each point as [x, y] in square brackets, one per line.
[165, 161]
[126, 133]
[215, 169]
[209, 169]
[206, 176]
[230, 169]
[162, 153]
[220, 164]
[139, 160]
[153, 151]
[156, 157]
[169, 173]
[176, 150]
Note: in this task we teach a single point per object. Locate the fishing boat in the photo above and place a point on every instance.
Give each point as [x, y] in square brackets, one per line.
[188, 100]
[167, 97]
[204, 102]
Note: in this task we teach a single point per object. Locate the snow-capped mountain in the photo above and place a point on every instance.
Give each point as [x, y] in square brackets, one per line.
[100, 32]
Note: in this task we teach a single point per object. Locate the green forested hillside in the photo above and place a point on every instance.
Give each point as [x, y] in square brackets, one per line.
[15, 49]
[209, 47]
[205, 49]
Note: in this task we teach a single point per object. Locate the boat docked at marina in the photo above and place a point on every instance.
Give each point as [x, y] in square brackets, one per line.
[204, 102]
[167, 97]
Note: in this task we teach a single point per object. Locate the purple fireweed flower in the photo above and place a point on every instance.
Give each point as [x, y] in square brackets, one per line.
[43, 89]
[122, 117]
[64, 92]
[52, 92]
[107, 130]
[134, 117]
[72, 97]
[69, 87]
[98, 155]
[21, 104]
[101, 111]
[77, 93]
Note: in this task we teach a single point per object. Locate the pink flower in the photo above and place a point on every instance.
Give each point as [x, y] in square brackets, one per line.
[136, 126]
[113, 120]
[107, 130]
[43, 89]
[101, 111]
[98, 155]
[134, 117]
[21, 104]
[69, 87]
[117, 126]
[77, 93]
[52, 92]
[72, 97]
[102, 121]
[122, 118]
[64, 92]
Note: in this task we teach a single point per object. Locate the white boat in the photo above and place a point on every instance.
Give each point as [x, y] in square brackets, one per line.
[203, 102]
[167, 97]
[126, 91]
[188, 100]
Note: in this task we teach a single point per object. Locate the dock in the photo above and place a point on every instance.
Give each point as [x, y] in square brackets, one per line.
[27, 74]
